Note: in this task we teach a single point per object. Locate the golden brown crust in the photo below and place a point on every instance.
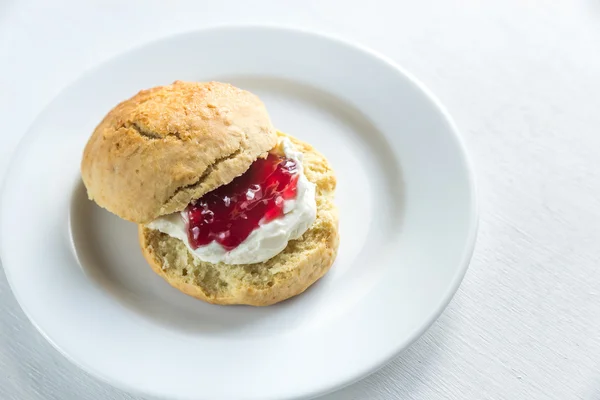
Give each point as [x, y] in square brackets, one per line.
[288, 274]
[155, 152]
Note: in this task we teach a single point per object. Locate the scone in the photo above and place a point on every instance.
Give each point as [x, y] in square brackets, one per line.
[230, 211]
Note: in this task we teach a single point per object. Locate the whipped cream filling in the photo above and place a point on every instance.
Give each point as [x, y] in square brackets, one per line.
[268, 239]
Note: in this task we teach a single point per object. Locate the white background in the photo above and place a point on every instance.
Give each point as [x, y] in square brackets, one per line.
[521, 78]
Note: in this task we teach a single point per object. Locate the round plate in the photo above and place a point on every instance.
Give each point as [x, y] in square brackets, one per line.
[407, 221]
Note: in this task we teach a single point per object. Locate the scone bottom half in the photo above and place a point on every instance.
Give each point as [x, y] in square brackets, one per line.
[288, 274]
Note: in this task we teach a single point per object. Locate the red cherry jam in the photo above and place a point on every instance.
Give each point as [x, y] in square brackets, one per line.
[231, 212]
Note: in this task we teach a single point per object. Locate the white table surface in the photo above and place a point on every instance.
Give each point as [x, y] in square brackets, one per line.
[522, 79]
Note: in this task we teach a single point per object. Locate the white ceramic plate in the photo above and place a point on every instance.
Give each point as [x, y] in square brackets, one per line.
[407, 218]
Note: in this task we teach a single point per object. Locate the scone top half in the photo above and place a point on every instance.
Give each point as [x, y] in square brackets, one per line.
[164, 147]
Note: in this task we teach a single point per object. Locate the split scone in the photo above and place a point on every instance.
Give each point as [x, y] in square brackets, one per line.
[230, 211]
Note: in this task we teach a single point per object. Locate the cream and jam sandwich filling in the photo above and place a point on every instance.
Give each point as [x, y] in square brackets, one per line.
[252, 218]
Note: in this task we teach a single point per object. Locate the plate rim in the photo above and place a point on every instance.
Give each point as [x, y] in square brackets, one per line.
[473, 223]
